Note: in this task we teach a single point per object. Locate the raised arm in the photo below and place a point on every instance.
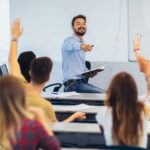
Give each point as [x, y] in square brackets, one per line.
[16, 32]
[142, 62]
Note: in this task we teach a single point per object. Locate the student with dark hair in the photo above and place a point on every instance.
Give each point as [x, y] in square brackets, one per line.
[74, 51]
[21, 129]
[24, 60]
[40, 70]
[124, 118]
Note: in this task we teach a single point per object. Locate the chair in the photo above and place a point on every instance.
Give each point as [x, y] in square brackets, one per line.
[59, 85]
[56, 88]
[3, 70]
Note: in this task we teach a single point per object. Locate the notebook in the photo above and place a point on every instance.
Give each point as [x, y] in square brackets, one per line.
[98, 69]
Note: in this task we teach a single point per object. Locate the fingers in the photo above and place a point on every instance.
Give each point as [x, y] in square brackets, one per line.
[139, 35]
[80, 115]
[16, 28]
[92, 74]
[137, 42]
[138, 38]
[86, 47]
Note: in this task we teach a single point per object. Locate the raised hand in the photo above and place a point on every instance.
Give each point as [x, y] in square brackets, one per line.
[16, 29]
[137, 42]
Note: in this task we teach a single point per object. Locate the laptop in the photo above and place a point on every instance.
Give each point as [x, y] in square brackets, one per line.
[3, 70]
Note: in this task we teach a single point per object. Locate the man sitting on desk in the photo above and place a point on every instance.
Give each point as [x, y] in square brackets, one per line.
[73, 59]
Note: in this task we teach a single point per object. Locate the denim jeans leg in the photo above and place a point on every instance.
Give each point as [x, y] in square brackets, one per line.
[83, 87]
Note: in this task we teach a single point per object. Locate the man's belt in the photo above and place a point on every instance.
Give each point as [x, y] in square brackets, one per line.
[72, 81]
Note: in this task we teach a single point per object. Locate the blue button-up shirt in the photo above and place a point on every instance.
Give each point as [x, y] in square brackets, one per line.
[73, 58]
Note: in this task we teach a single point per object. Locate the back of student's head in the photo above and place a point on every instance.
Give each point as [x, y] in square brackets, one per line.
[24, 61]
[40, 69]
[12, 107]
[122, 97]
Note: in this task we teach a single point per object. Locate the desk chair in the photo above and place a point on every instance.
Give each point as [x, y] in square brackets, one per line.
[59, 85]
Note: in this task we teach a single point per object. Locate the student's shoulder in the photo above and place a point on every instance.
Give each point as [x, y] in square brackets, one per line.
[30, 124]
[104, 109]
[45, 102]
[104, 112]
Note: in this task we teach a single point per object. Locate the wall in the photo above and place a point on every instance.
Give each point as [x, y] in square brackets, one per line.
[4, 30]
[46, 24]
[139, 22]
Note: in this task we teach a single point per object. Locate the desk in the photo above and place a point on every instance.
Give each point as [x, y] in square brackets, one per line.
[78, 134]
[87, 98]
[63, 114]
[81, 135]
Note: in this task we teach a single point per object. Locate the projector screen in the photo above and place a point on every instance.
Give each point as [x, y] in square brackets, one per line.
[47, 23]
[139, 22]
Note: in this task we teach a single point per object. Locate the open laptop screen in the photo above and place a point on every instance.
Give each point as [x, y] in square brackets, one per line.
[3, 70]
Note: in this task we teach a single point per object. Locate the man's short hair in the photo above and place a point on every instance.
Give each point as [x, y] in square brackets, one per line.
[77, 17]
[40, 69]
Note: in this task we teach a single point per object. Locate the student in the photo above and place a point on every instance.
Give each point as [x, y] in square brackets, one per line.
[24, 60]
[19, 128]
[40, 73]
[124, 118]
[143, 62]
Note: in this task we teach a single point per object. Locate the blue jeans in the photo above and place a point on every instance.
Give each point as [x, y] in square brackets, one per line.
[82, 87]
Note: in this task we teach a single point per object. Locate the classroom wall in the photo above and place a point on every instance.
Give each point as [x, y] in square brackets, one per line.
[4, 30]
[46, 25]
[139, 21]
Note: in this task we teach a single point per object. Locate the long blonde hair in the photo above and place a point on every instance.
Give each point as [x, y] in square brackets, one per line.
[122, 97]
[12, 109]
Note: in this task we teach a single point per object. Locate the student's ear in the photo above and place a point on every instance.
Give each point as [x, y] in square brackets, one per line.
[30, 74]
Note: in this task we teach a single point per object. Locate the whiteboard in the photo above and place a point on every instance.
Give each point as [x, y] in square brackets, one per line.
[47, 23]
[139, 22]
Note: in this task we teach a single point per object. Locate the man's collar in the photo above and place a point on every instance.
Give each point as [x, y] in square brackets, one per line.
[76, 37]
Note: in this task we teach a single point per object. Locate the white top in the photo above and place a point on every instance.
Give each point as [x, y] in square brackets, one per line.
[104, 118]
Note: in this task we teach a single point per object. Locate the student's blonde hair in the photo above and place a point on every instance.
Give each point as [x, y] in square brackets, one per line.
[12, 109]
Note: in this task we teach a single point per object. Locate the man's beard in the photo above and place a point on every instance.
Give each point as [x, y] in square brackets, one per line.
[80, 33]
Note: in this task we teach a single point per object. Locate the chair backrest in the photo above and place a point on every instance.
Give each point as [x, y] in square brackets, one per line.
[3, 70]
[56, 88]
[88, 65]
